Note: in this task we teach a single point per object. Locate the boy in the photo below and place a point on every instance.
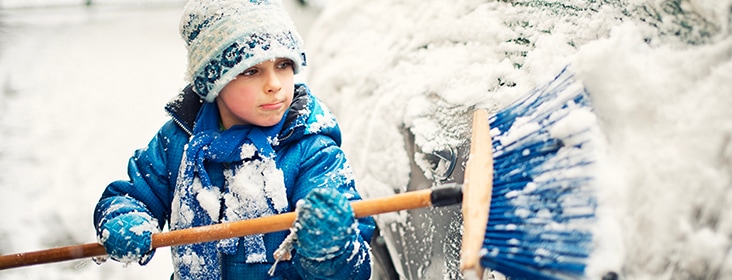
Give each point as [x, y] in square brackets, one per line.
[244, 141]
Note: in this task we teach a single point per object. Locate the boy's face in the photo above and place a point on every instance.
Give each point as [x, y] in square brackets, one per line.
[258, 96]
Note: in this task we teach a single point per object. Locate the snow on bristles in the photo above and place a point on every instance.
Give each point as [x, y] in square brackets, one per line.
[543, 206]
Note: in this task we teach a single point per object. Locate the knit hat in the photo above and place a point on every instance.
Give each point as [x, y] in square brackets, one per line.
[225, 37]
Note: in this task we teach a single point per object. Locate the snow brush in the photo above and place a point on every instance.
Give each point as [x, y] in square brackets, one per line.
[528, 200]
[541, 210]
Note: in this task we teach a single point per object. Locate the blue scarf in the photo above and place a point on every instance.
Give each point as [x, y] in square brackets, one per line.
[243, 150]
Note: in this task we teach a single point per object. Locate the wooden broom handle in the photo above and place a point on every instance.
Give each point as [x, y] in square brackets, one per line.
[362, 208]
[477, 190]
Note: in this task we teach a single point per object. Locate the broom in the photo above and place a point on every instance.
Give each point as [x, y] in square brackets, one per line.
[543, 202]
[530, 220]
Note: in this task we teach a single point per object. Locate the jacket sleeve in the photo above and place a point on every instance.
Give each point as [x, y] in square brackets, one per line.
[148, 188]
[325, 165]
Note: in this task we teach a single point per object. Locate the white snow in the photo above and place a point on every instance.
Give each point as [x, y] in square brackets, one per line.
[252, 187]
[209, 199]
[82, 88]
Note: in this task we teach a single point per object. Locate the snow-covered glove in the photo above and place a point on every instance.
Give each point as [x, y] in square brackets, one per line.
[325, 225]
[128, 237]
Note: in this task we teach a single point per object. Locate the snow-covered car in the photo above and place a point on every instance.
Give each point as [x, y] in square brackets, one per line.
[423, 243]
[403, 78]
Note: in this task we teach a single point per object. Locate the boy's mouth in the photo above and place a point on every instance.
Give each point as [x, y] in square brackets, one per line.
[272, 106]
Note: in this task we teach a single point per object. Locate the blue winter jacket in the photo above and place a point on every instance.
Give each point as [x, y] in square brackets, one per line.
[307, 157]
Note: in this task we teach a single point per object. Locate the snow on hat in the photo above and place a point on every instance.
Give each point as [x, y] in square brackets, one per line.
[225, 37]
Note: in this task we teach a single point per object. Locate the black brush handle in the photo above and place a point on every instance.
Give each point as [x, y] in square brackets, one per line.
[447, 194]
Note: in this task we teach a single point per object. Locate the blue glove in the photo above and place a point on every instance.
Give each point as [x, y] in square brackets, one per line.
[128, 237]
[325, 224]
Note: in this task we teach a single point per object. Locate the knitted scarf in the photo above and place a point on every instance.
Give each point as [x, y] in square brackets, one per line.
[253, 187]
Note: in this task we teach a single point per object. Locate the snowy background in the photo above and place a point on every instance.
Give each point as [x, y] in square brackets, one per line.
[82, 87]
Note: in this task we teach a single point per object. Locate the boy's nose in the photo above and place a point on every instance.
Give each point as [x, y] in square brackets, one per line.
[272, 84]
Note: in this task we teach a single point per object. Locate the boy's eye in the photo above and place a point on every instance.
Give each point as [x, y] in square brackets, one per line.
[285, 64]
[249, 72]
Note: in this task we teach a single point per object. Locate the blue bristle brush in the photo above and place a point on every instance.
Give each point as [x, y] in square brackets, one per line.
[540, 198]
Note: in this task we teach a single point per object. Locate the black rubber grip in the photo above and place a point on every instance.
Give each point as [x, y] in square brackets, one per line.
[448, 194]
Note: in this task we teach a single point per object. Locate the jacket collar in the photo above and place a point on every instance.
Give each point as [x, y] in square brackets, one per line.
[184, 109]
